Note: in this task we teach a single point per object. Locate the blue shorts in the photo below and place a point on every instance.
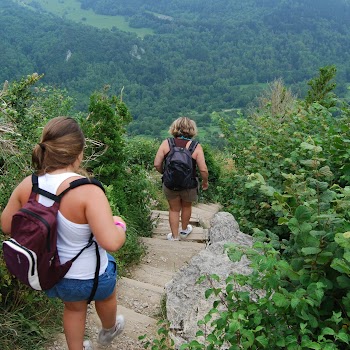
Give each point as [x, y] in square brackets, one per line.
[78, 290]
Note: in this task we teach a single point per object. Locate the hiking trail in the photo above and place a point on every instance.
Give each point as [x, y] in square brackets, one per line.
[140, 294]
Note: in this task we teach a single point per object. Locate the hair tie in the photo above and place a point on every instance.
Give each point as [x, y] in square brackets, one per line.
[42, 146]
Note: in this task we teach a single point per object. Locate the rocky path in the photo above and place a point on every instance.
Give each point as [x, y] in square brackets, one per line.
[140, 294]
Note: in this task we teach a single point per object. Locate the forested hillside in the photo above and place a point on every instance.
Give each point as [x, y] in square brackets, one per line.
[204, 56]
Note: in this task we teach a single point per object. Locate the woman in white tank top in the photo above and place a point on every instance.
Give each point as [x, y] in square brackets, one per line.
[83, 210]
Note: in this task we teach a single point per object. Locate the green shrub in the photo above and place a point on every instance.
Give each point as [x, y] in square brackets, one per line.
[289, 188]
[140, 150]
[268, 144]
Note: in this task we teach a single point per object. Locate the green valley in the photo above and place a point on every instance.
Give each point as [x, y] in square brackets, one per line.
[203, 57]
[71, 10]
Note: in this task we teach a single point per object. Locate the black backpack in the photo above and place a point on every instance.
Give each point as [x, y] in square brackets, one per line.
[178, 167]
[31, 253]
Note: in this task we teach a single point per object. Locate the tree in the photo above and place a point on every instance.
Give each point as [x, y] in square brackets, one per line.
[321, 88]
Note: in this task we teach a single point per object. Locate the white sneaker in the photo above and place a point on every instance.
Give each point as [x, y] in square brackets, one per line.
[170, 237]
[105, 336]
[185, 233]
[87, 345]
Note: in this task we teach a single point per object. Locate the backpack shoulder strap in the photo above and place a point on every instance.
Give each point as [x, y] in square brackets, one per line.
[73, 184]
[171, 142]
[193, 146]
[36, 189]
[98, 265]
[80, 182]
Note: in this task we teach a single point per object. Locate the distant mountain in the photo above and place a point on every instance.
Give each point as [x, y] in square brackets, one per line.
[204, 56]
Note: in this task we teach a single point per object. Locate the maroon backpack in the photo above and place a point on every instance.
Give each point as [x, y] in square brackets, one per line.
[31, 253]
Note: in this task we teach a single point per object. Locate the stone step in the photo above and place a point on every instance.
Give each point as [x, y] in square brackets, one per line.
[146, 272]
[197, 235]
[212, 207]
[139, 296]
[164, 228]
[136, 324]
[205, 213]
[162, 215]
[168, 255]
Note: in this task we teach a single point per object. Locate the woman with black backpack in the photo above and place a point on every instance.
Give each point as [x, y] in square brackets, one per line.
[178, 159]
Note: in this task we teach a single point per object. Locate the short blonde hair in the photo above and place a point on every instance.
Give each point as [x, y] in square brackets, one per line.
[183, 126]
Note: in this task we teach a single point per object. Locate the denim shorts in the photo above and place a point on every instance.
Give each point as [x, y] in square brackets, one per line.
[78, 290]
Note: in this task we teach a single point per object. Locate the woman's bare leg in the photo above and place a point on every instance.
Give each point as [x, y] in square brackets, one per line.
[74, 318]
[107, 310]
[186, 212]
[174, 215]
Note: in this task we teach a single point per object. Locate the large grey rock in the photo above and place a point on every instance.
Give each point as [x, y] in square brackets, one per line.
[186, 303]
[224, 228]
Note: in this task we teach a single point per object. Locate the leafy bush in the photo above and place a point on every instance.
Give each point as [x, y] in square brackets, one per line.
[298, 295]
[266, 143]
[129, 183]
[290, 188]
[141, 151]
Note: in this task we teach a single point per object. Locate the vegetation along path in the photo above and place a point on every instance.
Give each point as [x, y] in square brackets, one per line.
[140, 294]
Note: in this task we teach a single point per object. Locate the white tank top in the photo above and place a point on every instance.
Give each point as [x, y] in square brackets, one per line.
[72, 237]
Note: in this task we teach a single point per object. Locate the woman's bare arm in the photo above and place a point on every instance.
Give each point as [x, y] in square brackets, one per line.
[198, 155]
[159, 158]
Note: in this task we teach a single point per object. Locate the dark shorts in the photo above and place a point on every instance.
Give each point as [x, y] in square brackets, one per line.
[190, 195]
[77, 290]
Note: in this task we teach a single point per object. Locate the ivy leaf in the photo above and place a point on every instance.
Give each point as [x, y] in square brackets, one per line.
[343, 239]
[327, 331]
[235, 255]
[282, 221]
[305, 227]
[280, 300]
[311, 250]
[215, 277]
[344, 337]
[344, 282]
[327, 196]
[302, 213]
[267, 190]
[293, 225]
[249, 336]
[346, 169]
[341, 266]
[262, 340]
[326, 171]
[308, 146]
[311, 163]
[313, 345]
[208, 292]
[294, 302]
[257, 320]
[234, 326]
[212, 338]
[324, 257]
[281, 342]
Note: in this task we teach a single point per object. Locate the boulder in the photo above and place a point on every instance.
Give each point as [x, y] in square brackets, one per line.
[185, 299]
